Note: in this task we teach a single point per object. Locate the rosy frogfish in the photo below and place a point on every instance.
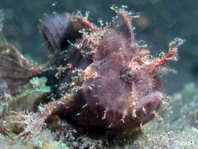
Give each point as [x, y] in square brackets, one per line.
[99, 76]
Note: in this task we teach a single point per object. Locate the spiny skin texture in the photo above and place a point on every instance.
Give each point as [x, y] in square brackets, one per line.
[108, 98]
[118, 88]
[111, 99]
[60, 32]
[102, 78]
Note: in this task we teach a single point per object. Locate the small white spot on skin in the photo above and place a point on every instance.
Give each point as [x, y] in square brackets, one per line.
[41, 108]
[90, 87]
[133, 106]
[105, 115]
[110, 125]
[134, 113]
[84, 106]
[144, 110]
[78, 114]
[73, 84]
[123, 117]
[122, 120]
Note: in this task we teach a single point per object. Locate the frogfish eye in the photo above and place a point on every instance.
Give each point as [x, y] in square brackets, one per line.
[128, 75]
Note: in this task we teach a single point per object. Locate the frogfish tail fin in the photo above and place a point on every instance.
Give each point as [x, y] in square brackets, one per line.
[15, 69]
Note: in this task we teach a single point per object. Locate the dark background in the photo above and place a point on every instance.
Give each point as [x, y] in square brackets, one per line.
[160, 22]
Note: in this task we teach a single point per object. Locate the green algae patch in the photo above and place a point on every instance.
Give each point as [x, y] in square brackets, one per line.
[55, 145]
[36, 85]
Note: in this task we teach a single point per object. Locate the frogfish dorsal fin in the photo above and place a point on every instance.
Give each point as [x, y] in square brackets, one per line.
[122, 23]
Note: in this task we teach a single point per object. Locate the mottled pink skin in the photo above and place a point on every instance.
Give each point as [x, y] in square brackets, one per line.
[108, 103]
[119, 86]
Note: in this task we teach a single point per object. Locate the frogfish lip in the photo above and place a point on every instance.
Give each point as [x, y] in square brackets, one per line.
[149, 104]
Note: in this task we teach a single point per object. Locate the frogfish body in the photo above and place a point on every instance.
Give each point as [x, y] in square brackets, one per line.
[98, 76]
